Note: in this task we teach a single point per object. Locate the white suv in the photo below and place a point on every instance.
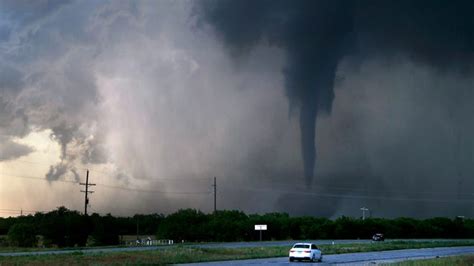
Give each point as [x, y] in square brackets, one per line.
[305, 251]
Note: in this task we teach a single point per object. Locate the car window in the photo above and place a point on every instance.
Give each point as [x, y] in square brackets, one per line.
[301, 246]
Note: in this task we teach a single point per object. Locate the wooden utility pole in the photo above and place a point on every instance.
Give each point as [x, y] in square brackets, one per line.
[215, 195]
[138, 239]
[86, 192]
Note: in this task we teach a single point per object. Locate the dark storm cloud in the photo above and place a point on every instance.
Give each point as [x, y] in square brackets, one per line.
[57, 171]
[10, 79]
[134, 86]
[29, 11]
[20, 20]
[438, 33]
[22, 13]
[96, 152]
[64, 134]
[46, 82]
[10, 150]
[316, 35]
[61, 170]
[13, 120]
[313, 34]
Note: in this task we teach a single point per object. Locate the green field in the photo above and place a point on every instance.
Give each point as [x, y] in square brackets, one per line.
[467, 260]
[186, 254]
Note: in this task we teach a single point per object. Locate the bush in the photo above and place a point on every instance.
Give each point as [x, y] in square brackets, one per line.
[187, 225]
[22, 235]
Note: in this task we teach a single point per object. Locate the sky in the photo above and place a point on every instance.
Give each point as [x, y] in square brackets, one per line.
[308, 107]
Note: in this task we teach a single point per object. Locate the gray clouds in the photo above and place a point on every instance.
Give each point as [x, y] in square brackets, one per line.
[10, 150]
[313, 35]
[133, 86]
[139, 88]
[400, 131]
[316, 35]
[55, 86]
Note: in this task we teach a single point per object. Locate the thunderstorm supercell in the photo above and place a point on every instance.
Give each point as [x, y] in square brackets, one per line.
[339, 104]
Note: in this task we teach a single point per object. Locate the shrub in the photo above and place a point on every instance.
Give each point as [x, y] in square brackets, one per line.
[22, 235]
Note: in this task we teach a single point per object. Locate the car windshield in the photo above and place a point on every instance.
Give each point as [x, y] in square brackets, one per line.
[301, 246]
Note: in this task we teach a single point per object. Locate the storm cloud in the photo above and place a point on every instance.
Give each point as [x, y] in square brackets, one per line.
[11, 150]
[165, 95]
[317, 34]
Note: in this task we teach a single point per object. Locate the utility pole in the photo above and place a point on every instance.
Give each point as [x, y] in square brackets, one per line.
[363, 209]
[215, 195]
[138, 239]
[86, 192]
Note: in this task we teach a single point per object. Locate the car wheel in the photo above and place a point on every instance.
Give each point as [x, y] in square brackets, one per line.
[321, 258]
[291, 259]
[313, 258]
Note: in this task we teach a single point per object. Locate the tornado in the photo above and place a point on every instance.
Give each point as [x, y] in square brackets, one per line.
[312, 34]
[317, 34]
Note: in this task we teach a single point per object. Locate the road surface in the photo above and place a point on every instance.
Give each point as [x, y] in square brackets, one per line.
[317, 242]
[204, 245]
[363, 258]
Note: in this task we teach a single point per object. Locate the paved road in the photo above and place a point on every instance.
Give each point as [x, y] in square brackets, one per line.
[206, 245]
[317, 242]
[278, 243]
[365, 258]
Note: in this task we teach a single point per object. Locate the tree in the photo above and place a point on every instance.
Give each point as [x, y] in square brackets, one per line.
[105, 230]
[63, 227]
[188, 225]
[347, 228]
[229, 226]
[22, 235]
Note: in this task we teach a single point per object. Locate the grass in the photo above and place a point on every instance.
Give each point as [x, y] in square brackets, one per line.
[186, 254]
[157, 257]
[467, 260]
[24, 249]
[393, 245]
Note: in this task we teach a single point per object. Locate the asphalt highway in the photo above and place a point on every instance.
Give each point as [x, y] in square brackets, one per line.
[317, 242]
[204, 245]
[364, 258]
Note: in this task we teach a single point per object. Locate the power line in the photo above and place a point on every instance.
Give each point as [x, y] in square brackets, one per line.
[352, 189]
[329, 195]
[19, 212]
[152, 191]
[158, 179]
[40, 178]
[105, 185]
[272, 190]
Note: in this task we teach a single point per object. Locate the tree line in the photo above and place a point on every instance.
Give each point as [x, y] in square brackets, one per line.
[67, 228]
